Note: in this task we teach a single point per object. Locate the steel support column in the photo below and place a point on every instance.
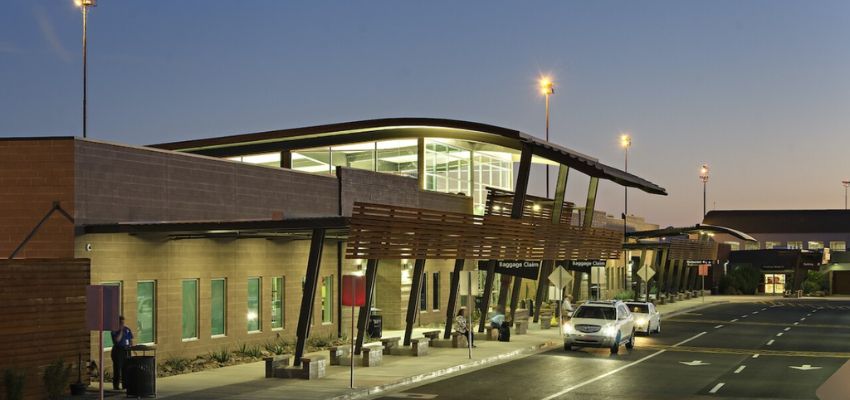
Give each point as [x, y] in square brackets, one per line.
[286, 159]
[546, 268]
[560, 193]
[413, 299]
[673, 283]
[662, 269]
[504, 286]
[686, 277]
[454, 285]
[590, 205]
[314, 261]
[365, 311]
[576, 292]
[488, 289]
[515, 295]
[521, 187]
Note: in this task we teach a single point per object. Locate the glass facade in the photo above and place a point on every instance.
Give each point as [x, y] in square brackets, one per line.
[218, 306]
[327, 299]
[796, 245]
[253, 316]
[492, 169]
[838, 246]
[772, 245]
[277, 302]
[813, 245]
[146, 312]
[190, 309]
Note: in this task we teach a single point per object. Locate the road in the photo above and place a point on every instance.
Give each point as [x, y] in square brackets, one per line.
[732, 350]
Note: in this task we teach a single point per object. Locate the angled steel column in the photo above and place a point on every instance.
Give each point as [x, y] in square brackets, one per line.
[680, 273]
[635, 276]
[576, 293]
[515, 296]
[560, 192]
[671, 279]
[546, 268]
[505, 284]
[686, 276]
[590, 205]
[454, 285]
[521, 187]
[286, 159]
[662, 269]
[488, 289]
[314, 261]
[413, 299]
[366, 311]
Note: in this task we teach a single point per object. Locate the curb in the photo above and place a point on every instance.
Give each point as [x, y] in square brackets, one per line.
[443, 372]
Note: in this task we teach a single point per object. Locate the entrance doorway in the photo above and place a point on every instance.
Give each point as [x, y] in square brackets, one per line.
[774, 283]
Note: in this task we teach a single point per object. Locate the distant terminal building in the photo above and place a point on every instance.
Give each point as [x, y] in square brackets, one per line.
[790, 242]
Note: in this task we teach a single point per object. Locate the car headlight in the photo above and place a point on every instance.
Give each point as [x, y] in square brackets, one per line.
[641, 321]
[569, 329]
[610, 331]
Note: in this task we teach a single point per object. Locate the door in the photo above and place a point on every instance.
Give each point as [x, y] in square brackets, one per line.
[841, 282]
[774, 283]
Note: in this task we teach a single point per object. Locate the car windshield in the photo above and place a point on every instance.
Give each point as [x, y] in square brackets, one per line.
[638, 308]
[595, 312]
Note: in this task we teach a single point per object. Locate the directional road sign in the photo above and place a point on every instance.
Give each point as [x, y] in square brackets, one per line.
[560, 277]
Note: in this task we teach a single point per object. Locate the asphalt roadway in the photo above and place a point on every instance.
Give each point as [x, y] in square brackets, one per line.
[730, 350]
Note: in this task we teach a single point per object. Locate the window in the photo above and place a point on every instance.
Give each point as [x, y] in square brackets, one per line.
[815, 245]
[435, 291]
[423, 294]
[254, 320]
[446, 168]
[492, 169]
[795, 245]
[107, 338]
[751, 246]
[190, 309]
[218, 307]
[327, 299]
[838, 246]
[277, 302]
[146, 312]
[734, 246]
[772, 245]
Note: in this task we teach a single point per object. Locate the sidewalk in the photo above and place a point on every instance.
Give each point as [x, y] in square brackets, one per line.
[247, 382]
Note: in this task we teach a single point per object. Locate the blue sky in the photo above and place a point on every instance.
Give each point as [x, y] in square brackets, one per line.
[760, 90]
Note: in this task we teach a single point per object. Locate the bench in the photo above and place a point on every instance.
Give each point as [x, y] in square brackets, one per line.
[492, 333]
[521, 327]
[545, 321]
[459, 340]
[373, 355]
[432, 335]
[338, 355]
[389, 344]
[521, 313]
[276, 362]
[314, 367]
[419, 346]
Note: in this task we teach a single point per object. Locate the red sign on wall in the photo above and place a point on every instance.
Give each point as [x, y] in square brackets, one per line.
[353, 290]
[703, 270]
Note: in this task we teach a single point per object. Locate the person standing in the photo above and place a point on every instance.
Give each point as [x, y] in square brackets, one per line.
[462, 326]
[122, 339]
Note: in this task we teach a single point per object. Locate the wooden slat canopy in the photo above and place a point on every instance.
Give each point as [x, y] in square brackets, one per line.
[680, 248]
[389, 232]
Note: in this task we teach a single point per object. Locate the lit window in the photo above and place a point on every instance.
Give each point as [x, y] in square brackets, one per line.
[190, 309]
[772, 245]
[146, 312]
[838, 246]
[734, 245]
[815, 245]
[327, 299]
[218, 306]
[254, 316]
[795, 245]
[435, 291]
[751, 246]
[277, 302]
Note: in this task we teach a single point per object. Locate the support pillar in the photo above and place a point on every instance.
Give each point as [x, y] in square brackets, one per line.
[505, 285]
[577, 278]
[521, 187]
[454, 285]
[365, 311]
[590, 205]
[311, 282]
[675, 271]
[488, 289]
[662, 269]
[515, 296]
[413, 299]
[286, 159]
[560, 191]
[546, 268]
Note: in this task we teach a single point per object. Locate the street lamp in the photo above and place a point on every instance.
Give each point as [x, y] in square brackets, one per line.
[846, 184]
[703, 176]
[547, 88]
[625, 143]
[84, 6]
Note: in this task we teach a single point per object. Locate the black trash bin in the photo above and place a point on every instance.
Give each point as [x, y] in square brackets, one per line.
[376, 323]
[140, 372]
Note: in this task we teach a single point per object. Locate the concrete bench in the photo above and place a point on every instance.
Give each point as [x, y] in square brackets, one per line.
[338, 355]
[521, 327]
[459, 340]
[521, 313]
[373, 355]
[492, 333]
[276, 362]
[314, 367]
[432, 335]
[545, 321]
[389, 344]
[419, 347]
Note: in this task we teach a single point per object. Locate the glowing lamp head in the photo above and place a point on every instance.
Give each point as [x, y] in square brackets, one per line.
[625, 140]
[546, 85]
[703, 172]
[536, 207]
[85, 3]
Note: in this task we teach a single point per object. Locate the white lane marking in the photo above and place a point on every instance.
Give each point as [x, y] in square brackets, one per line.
[779, 334]
[744, 316]
[804, 367]
[796, 323]
[609, 373]
[803, 319]
[756, 355]
[770, 342]
[764, 309]
[741, 368]
[787, 329]
[755, 312]
[716, 388]
[718, 326]
[809, 315]
[734, 320]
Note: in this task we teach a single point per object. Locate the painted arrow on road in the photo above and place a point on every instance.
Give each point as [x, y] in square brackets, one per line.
[694, 363]
[804, 367]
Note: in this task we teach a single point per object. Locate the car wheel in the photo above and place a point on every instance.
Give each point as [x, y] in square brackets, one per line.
[568, 347]
[658, 328]
[631, 343]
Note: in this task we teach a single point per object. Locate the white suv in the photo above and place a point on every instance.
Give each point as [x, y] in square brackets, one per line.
[600, 324]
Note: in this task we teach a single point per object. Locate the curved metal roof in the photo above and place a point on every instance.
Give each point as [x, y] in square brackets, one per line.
[672, 231]
[397, 128]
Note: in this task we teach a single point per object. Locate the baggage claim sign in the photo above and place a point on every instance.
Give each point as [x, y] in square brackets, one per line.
[530, 269]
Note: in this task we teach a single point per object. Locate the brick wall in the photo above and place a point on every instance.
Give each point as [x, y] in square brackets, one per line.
[33, 174]
[382, 188]
[43, 317]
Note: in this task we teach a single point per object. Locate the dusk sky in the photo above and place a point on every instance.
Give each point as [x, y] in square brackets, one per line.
[760, 90]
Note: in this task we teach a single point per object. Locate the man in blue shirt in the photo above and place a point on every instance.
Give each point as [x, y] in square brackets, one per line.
[122, 339]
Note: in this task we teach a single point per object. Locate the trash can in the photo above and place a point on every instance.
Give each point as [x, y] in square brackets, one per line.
[141, 372]
[375, 328]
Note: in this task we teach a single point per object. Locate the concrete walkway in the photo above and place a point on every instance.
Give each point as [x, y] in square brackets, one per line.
[247, 381]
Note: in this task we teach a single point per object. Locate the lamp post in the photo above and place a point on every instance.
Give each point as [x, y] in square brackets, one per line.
[625, 143]
[846, 184]
[547, 88]
[84, 6]
[703, 176]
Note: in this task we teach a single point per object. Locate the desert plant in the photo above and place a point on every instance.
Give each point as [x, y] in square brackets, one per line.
[815, 281]
[247, 350]
[56, 377]
[625, 295]
[222, 356]
[177, 363]
[320, 342]
[13, 381]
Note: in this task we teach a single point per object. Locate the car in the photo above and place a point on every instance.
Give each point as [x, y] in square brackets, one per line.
[600, 324]
[647, 317]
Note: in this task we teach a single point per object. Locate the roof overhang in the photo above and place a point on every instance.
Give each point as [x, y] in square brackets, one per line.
[238, 228]
[698, 228]
[398, 128]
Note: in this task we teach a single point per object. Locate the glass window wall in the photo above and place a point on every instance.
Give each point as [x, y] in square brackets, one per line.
[327, 299]
[218, 307]
[277, 302]
[146, 312]
[447, 168]
[254, 316]
[190, 309]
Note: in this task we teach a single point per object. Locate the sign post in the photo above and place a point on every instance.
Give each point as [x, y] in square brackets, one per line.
[703, 272]
[354, 295]
[560, 279]
[101, 314]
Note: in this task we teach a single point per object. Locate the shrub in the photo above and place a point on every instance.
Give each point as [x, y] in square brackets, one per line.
[320, 342]
[815, 282]
[222, 356]
[178, 363]
[247, 350]
[743, 279]
[56, 378]
[625, 295]
[14, 380]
